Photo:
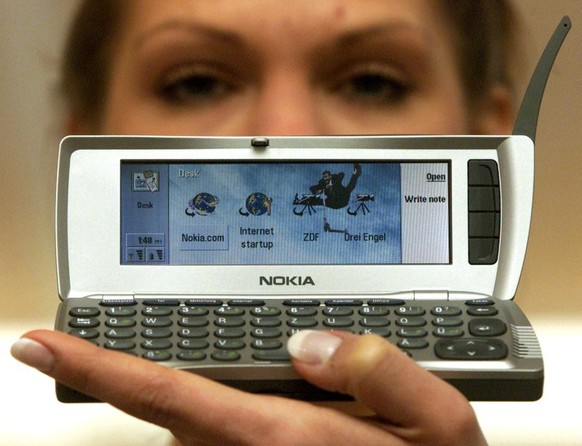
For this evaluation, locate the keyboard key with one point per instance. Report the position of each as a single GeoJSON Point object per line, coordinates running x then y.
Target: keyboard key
{"type": "Point", "coordinates": [120, 322]}
{"type": "Point", "coordinates": [230, 344]}
{"type": "Point", "coordinates": [266, 333]}
{"type": "Point", "coordinates": [161, 302]}
{"type": "Point", "coordinates": [225, 355]}
{"type": "Point", "coordinates": [338, 311]}
{"type": "Point", "coordinates": [121, 311]}
{"type": "Point", "coordinates": [447, 322]}
{"type": "Point", "coordinates": [156, 311]}
{"type": "Point", "coordinates": [482, 311]}
{"type": "Point", "coordinates": [119, 344]}
{"type": "Point", "coordinates": [374, 322]}
{"type": "Point", "coordinates": [265, 322]}
{"type": "Point", "coordinates": [446, 311]}
{"type": "Point", "coordinates": [385, 302]}
{"type": "Point", "coordinates": [192, 322]}
{"type": "Point", "coordinates": [272, 355]}
{"type": "Point", "coordinates": [157, 355]}
{"type": "Point", "coordinates": [191, 333]}
{"type": "Point", "coordinates": [120, 333]}
{"type": "Point", "coordinates": [384, 332]}
{"type": "Point", "coordinates": [84, 322]}
{"type": "Point", "coordinates": [156, 344]}
{"type": "Point", "coordinates": [84, 312]}
{"type": "Point", "coordinates": [487, 327]}
{"type": "Point", "coordinates": [229, 333]}
{"type": "Point", "coordinates": [265, 311]}
{"type": "Point", "coordinates": [114, 302]}
{"type": "Point", "coordinates": [193, 311]}
{"type": "Point", "coordinates": [266, 344]}
{"type": "Point", "coordinates": [412, 332]}
{"type": "Point", "coordinates": [191, 355]}
{"type": "Point", "coordinates": [448, 332]}
{"type": "Point", "coordinates": [157, 322]}
{"type": "Point", "coordinates": [229, 322]}
{"type": "Point", "coordinates": [246, 302]}
{"type": "Point", "coordinates": [344, 302]}
{"type": "Point", "coordinates": [301, 303]}
{"type": "Point", "coordinates": [302, 311]}
{"type": "Point", "coordinates": [193, 344]}
{"type": "Point", "coordinates": [204, 302]}
{"type": "Point", "coordinates": [85, 333]}
{"type": "Point", "coordinates": [410, 311]}
{"type": "Point", "coordinates": [479, 302]}
{"type": "Point", "coordinates": [302, 322]}
{"type": "Point", "coordinates": [229, 311]}
{"type": "Point", "coordinates": [157, 333]}
{"type": "Point", "coordinates": [335, 322]}
{"type": "Point", "coordinates": [410, 322]}
{"type": "Point", "coordinates": [374, 311]}
{"type": "Point", "coordinates": [415, 343]}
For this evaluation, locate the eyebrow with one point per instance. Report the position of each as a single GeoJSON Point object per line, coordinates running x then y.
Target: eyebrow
{"type": "Point", "coordinates": [342, 40]}
{"type": "Point", "coordinates": [367, 32]}
{"type": "Point", "coordinates": [190, 28]}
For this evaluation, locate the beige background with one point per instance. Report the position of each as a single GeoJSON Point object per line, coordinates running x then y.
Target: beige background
{"type": "Point", "coordinates": [550, 290]}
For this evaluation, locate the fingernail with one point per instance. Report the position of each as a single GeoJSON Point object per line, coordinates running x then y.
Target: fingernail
{"type": "Point", "coordinates": [33, 354]}
{"type": "Point", "coordinates": [313, 347]}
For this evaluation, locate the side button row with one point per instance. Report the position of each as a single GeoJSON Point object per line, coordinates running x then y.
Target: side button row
{"type": "Point", "coordinates": [484, 212]}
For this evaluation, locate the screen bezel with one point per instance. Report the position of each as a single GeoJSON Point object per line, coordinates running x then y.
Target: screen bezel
{"type": "Point", "coordinates": [88, 218]}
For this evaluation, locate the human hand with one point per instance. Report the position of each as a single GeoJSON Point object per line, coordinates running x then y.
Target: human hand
{"type": "Point", "coordinates": [411, 406]}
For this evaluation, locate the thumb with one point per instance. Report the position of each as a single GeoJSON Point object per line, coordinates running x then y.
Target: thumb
{"type": "Point", "coordinates": [379, 375]}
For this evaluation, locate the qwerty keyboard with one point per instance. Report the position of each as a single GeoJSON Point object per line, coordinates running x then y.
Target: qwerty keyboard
{"type": "Point", "coordinates": [256, 330]}
{"type": "Point", "coordinates": [242, 342]}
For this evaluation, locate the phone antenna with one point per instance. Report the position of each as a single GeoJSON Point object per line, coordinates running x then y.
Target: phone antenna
{"type": "Point", "coordinates": [526, 122]}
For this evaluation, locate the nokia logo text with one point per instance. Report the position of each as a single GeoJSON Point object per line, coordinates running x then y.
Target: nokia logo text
{"type": "Point", "coordinates": [285, 280]}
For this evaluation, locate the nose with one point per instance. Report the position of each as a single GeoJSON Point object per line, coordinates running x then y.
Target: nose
{"type": "Point", "coordinates": [286, 104]}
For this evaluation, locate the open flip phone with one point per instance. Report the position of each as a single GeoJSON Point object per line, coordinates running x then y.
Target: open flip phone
{"type": "Point", "coordinates": [206, 254]}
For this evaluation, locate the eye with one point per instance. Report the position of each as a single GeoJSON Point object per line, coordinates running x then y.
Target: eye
{"type": "Point", "coordinates": [193, 85]}
{"type": "Point", "coordinates": [372, 86]}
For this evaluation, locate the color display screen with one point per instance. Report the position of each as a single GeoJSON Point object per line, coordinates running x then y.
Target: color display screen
{"type": "Point", "coordinates": [285, 213]}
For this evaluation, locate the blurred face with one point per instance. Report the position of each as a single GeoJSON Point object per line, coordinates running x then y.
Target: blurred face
{"type": "Point", "coordinates": [293, 67]}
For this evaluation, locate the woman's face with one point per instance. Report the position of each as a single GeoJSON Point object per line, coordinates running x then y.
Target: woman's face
{"type": "Point", "coordinates": [293, 67]}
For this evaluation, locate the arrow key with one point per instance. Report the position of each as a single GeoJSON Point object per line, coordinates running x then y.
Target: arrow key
{"type": "Point", "coordinates": [85, 333]}
{"type": "Point", "coordinates": [471, 349]}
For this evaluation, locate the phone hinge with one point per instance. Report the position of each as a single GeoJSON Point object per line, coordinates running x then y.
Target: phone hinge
{"type": "Point", "coordinates": [431, 295]}
{"type": "Point", "coordinates": [118, 299]}
{"type": "Point", "coordinates": [448, 295]}
{"type": "Point", "coordinates": [459, 295]}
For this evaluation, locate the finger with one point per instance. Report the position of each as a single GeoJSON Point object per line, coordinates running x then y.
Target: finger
{"type": "Point", "coordinates": [179, 401]}
{"type": "Point", "coordinates": [379, 375]}
{"type": "Point", "coordinates": [196, 410]}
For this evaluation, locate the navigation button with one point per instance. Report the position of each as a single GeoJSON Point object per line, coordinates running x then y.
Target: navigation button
{"type": "Point", "coordinates": [471, 349]}
{"type": "Point", "coordinates": [483, 251]}
{"type": "Point", "coordinates": [483, 173]}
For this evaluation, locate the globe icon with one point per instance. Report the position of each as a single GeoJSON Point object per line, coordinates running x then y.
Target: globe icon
{"type": "Point", "coordinates": [258, 204]}
{"type": "Point", "coordinates": [202, 204]}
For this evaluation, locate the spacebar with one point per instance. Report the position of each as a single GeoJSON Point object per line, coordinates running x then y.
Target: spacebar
{"type": "Point", "coordinates": [272, 355]}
